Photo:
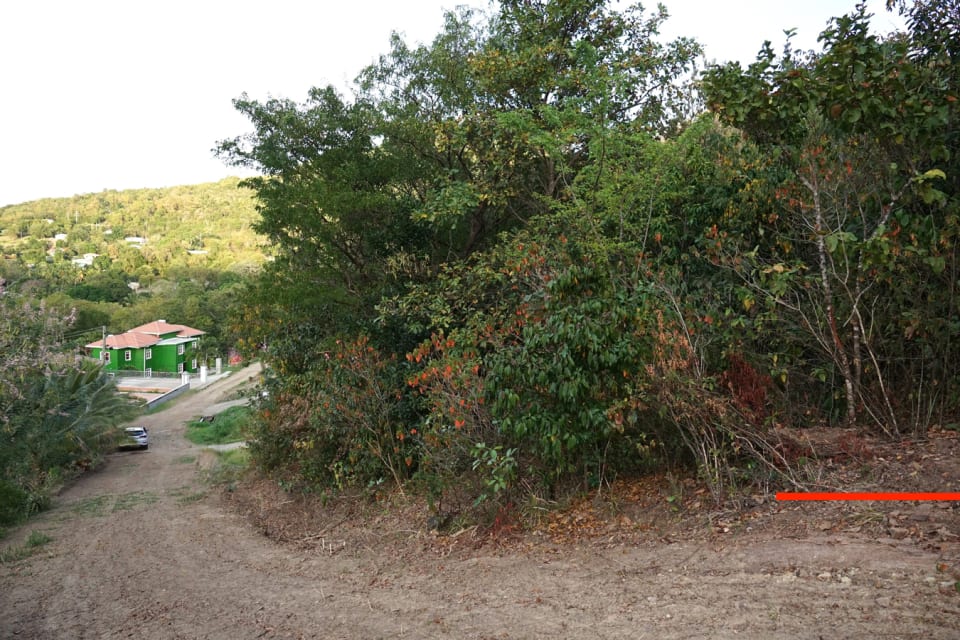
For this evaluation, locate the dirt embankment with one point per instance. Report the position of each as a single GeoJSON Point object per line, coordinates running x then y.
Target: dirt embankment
{"type": "Point", "coordinates": [144, 549]}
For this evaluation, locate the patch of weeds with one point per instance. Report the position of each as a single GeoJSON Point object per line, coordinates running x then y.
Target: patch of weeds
{"type": "Point", "coordinates": [130, 500]}
{"type": "Point", "coordinates": [868, 472]}
{"type": "Point", "coordinates": [868, 517]}
{"type": "Point", "coordinates": [230, 466]}
{"type": "Point", "coordinates": [185, 460]}
{"type": "Point", "coordinates": [186, 495]}
{"type": "Point", "coordinates": [190, 498]}
{"type": "Point", "coordinates": [36, 540]}
{"type": "Point", "coordinates": [228, 426]}
{"type": "Point", "coordinates": [95, 506]}
{"type": "Point", "coordinates": [13, 554]}
{"type": "Point", "coordinates": [674, 494]}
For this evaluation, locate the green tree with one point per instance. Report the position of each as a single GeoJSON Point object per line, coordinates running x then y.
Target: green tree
{"type": "Point", "coordinates": [862, 147]}
{"type": "Point", "coordinates": [105, 286]}
{"type": "Point", "coordinates": [398, 214]}
{"type": "Point", "coordinates": [447, 145]}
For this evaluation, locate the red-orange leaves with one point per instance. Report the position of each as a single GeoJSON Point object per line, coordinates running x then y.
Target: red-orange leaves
{"type": "Point", "coordinates": [450, 379]}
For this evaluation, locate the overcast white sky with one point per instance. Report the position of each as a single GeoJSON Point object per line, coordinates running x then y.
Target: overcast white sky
{"type": "Point", "coordinates": [125, 94]}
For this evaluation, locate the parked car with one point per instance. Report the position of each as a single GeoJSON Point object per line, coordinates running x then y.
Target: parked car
{"type": "Point", "coordinates": [135, 438]}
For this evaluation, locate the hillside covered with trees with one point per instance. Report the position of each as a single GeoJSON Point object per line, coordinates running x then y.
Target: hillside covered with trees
{"type": "Point", "coordinates": [123, 258]}
{"type": "Point", "coordinates": [524, 259]}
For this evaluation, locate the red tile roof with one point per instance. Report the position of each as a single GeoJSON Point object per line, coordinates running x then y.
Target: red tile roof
{"type": "Point", "coordinates": [127, 340]}
{"type": "Point", "coordinates": [162, 327]}
{"type": "Point", "coordinates": [146, 335]}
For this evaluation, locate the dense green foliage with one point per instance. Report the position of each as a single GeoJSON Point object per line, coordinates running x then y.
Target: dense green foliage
{"type": "Point", "coordinates": [517, 260]}
{"type": "Point", "coordinates": [211, 220]}
{"type": "Point", "coordinates": [853, 246]}
{"type": "Point", "coordinates": [58, 413]}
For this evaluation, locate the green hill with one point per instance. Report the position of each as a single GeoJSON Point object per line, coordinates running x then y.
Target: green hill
{"type": "Point", "coordinates": [204, 225]}
{"type": "Point", "coordinates": [118, 259]}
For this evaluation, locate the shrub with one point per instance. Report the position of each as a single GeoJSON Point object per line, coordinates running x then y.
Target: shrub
{"type": "Point", "coordinates": [336, 425]}
{"type": "Point", "coordinates": [14, 503]}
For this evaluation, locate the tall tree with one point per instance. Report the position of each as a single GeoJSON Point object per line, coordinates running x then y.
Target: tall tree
{"type": "Point", "coordinates": [863, 201]}
{"type": "Point", "coordinates": [407, 203]}
{"type": "Point", "coordinates": [448, 144]}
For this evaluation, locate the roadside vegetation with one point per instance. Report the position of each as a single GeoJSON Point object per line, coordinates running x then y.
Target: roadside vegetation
{"type": "Point", "coordinates": [182, 253]}
{"type": "Point", "coordinates": [229, 468]}
{"type": "Point", "coordinates": [58, 412]}
{"type": "Point", "coordinates": [544, 252]}
{"type": "Point", "coordinates": [33, 543]}
{"type": "Point", "coordinates": [232, 425]}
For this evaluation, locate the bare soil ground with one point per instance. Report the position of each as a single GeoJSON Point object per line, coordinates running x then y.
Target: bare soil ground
{"type": "Point", "coordinates": [144, 548]}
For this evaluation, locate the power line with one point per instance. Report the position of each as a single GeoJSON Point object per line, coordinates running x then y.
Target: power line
{"type": "Point", "coordinates": [79, 332]}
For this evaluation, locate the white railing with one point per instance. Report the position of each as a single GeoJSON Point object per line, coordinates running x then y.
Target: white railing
{"type": "Point", "coordinates": [137, 373]}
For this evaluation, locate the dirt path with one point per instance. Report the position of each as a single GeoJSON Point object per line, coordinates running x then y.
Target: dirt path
{"type": "Point", "coordinates": [140, 550]}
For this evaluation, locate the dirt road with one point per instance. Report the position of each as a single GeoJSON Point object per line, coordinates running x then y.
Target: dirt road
{"type": "Point", "coordinates": [143, 549]}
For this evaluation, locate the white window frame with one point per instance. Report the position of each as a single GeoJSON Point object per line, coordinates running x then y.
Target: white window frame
{"type": "Point", "coordinates": [180, 367]}
{"type": "Point", "coordinates": [193, 363]}
{"type": "Point", "coordinates": [180, 349]}
{"type": "Point", "coordinates": [148, 354]}
{"type": "Point", "coordinates": [106, 357]}
{"type": "Point", "coordinates": [127, 355]}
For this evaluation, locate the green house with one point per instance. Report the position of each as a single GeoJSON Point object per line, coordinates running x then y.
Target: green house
{"type": "Point", "coordinates": [156, 347]}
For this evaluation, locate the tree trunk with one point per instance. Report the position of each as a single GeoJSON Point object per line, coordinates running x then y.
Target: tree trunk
{"type": "Point", "coordinates": [839, 352]}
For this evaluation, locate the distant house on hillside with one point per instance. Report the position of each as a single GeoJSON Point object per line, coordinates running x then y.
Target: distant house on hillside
{"type": "Point", "coordinates": [86, 260]}
{"type": "Point", "coordinates": [154, 347]}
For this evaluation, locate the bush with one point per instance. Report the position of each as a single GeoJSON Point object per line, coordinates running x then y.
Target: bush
{"type": "Point", "coordinates": [14, 503]}
{"type": "Point", "coordinates": [338, 424]}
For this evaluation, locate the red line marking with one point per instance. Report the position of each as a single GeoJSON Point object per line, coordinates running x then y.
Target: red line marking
{"type": "Point", "coordinates": [853, 495]}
